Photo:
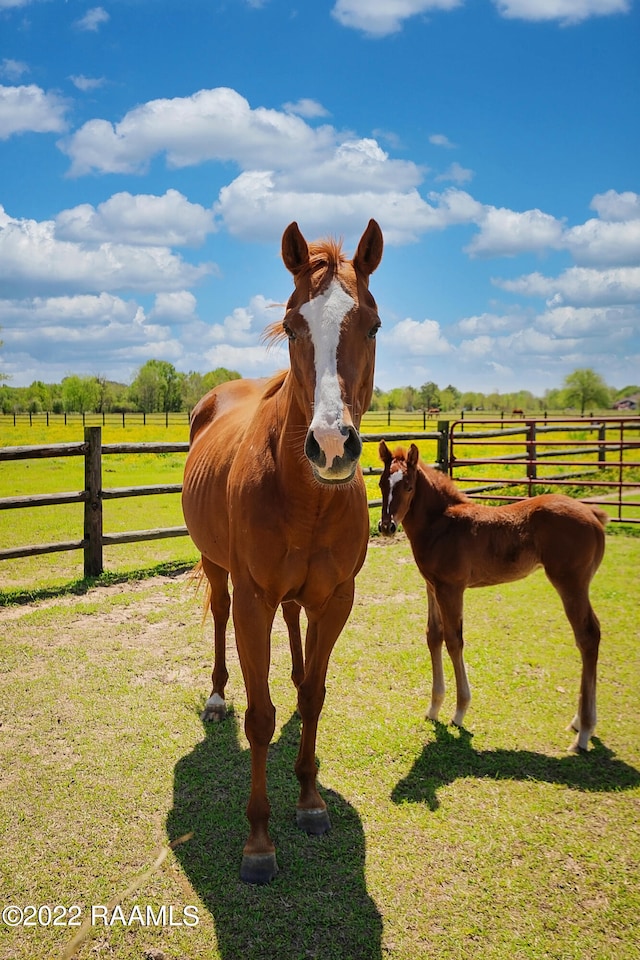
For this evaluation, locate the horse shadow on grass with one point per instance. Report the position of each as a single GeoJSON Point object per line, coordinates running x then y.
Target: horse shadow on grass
{"type": "Point", "coordinates": [318, 905]}
{"type": "Point", "coordinates": [451, 756]}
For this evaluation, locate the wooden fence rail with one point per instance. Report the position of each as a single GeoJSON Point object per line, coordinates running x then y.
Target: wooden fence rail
{"type": "Point", "coordinates": [449, 439]}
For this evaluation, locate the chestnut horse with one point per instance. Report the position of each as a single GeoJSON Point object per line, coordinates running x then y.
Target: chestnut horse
{"type": "Point", "coordinates": [273, 496]}
{"type": "Point", "coordinates": [458, 543]}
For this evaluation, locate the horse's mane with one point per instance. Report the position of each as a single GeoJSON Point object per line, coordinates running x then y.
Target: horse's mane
{"type": "Point", "coordinates": [325, 259]}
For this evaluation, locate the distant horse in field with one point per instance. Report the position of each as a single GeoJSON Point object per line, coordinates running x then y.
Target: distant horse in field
{"type": "Point", "coordinates": [458, 543]}
{"type": "Point", "coordinates": [273, 496]}
{"type": "Point", "coordinates": [517, 412]}
{"type": "Point", "coordinates": [433, 411]}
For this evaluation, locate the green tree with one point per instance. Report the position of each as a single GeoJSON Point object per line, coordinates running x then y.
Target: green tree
{"type": "Point", "coordinates": [429, 395]}
{"type": "Point", "coordinates": [79, 394]}
{"type": "Point", "coordinates": [157, 387]}
{"type": "Point", "coordinates": [586, 387]}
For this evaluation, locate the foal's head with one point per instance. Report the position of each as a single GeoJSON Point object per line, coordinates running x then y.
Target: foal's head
{"type": "Point", "coordinates": [331, 322]}
{"type": "Point", "coordinates": [397, 483]}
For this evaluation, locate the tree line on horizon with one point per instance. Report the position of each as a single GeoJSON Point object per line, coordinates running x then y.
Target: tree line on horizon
{"type": "Point", "coordinates": [159, 388]}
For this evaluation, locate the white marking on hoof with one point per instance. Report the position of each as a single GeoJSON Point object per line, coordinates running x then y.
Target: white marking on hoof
{"type": "Point", "coordinates": [581, 742]}
{"type": "Point", "coordinates": [458, 718]}
{"type": "Point", "coordinates": [433, 711]}
{"type": "Point", "coordinates": [575, 723]}
{"type": "Point", "coordinates": [215, 708]}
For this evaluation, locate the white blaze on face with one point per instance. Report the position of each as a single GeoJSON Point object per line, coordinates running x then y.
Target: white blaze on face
{"type": "Point", "coordinates": [324, 315]}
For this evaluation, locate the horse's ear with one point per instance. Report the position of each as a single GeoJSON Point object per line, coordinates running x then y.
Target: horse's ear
{"type": "Point", "coordinates": [413, 456]}
{"type": "Point", "coordinates": [385, 453]}
{"type": "Point", "coordinates": [369, 252]}
{"type": "Point", "coordinates": [295, 252]}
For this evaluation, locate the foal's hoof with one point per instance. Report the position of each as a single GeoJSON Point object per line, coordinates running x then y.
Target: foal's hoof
{"type": "Point", "coordinates": [258, 867]}
{"type": "Point", "coordinates": [313, 822]}
{"type": "Point", "coordinates": [215, 708]}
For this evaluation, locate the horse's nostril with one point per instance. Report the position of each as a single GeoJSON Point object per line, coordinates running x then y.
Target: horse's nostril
{"type": "Point", "coordinates": [313, 451]}
{"type": "Point", "coordinates": [353, 445]}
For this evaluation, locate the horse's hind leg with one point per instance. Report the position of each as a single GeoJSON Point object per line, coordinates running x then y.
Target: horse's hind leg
{"type": "Point", "coordinates": [291, 614]}
{"type": "Point", "coordinates": [435, 637]}
{"type": "Point", "coordinates": [216, 706]}
{"type": "Point", "coordinates": [586, 629]}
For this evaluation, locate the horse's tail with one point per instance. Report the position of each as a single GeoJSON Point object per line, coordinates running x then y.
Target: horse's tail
{"type": "Point", "coordinates": [198, 578]}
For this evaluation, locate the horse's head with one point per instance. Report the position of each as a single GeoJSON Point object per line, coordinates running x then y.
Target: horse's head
{"type": "Point", "coordinates": [397, 483]}
{"type": "Point", "coordinates": [331, 321]}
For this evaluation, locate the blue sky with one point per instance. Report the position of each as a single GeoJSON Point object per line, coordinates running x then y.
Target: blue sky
{"type": "Point", "coordinates": [153, 151]}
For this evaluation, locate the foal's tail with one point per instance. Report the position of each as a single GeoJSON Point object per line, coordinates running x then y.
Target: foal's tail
{"type": "Point", "coordinates": [198, 578]}
{"type": "Point", "coordinates": [601, 515]}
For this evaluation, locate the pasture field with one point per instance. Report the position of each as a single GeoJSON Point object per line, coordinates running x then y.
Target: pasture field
{"type": "Point", "coordinates": [486, 842]}
{"type": "Point", "coordinates": [65, 522]}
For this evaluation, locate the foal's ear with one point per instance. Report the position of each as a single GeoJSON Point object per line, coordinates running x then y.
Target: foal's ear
{"type": "Point", "coordinates": [369, 252]}
{"type": "Point", "coordinates": [413, 456]}
{"type": "Point", "coordinates": [295, 252]}
{"type": "Point", "coordinates": [385, 453]}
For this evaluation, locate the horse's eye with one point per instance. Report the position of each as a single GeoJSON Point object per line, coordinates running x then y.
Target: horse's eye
{"type": "Point", "coordinates": [289, 332]}
{"type": "Point", "coordinates": [372, 333]}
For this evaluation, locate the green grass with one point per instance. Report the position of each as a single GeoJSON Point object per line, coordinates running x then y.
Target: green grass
{"type": "Point", "coordinates": [486, 842]}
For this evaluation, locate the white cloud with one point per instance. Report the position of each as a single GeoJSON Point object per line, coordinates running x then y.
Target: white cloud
{"type": "Point", "coordinates": [168, 220]}
{"type": "Point", "coordinates": [382, 17]}
{"type": "Point", "coordinates": [617, 206]}
{"type": "Point", "coordinates": [13, 69]}
{"type": "Point", "coordinates": [86, 84]}
{"type": "Point", "coordinates": [416, 338]}
{"type": "Point", "coordinates": [580, 286]}
{"type": "Point", "coordinates": [175, 307]}
{"type": "Point", "coordinates": [305, 107]}
{"type": "Point", "coordinates": [379, 18]}
{"type": "Point", "coordinates": [566, 11]}
{"type": "Point", "coordinates": [505, 233]}
{"type": "Point", "coordinates": [602, 243]}
{"type": "Point", "coordinates": [456, 173]}
{"type": "Point", "coordinates": [29, 108]}
{"type": "Point", "coordinates": [440, 140]}
{"type": "Point", "coordinates": [214, 124]}
{"type": "Point", "coordinates": [34, 258]}
{"type": "Point", "coordinates": [609, 322]}
{"type": "Point", "coordinates": [93, 19]}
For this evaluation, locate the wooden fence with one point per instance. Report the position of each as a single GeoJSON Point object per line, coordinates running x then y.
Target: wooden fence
{"type": "Point", "coordinates": [615, 438]}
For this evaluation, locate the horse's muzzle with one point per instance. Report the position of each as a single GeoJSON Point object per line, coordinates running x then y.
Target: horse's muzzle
{"type": "Point", "coordinates": [387, 527]}
{"type": "Point", "coordinates": [342, 468]}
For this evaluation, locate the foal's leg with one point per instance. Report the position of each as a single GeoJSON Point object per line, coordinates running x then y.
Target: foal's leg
{"type": "Point", "coordinates": [322, 633]}
{"type": "Point", "coordinates": [435, 636]}
{"type": "Point", "coordinates": [586, 629]}
{"type": "Point", "coordinates": [216, 707]}
{"type": "Point", "coordinates": [449, 599]}
{"type": "Point", "coordinates": [291, 614]}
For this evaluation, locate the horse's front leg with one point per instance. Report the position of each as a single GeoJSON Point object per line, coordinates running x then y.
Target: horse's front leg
{"type": "Point", "coordinates": [435, 638]}
{"type": "Point", "coordinates": [216, 706]}
{"type": "Point", "coordinates": [291, 614]}
{"type": "Point", "coordinates": [322, 632]}
{"type": "Point", "coordinates": [449, 599]}
{"type": "Point", "coordinates": [253, 619]}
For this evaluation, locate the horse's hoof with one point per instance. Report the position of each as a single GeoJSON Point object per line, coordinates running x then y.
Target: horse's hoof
{"type": "Point", "coordinates": [314, 822]}
{"type": "Point", "coordinates": [215, 708]}
{"type": "Point", "coordinates": [258, 867]}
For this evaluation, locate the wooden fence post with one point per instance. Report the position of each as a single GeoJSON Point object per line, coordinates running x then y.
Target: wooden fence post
{"type": "Point", "coordinates": [602, 448]}
{"type": "Point", "coordinates": [443, 446]}
{"type": "Point", "coordinates": [531, 453]}
{"type": "Point", "coordinates": [93, 504]}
